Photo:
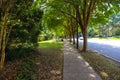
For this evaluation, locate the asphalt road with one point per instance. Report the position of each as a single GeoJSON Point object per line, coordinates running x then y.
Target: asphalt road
{"type": "Point", "coordinates": [109, 48]}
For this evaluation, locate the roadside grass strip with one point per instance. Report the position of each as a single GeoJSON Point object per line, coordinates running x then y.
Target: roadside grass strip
{"type": "Point", "coordinates": [104, 67]}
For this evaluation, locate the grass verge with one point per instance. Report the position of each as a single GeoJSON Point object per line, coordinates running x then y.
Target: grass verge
{"type": "Point", "coordinates": [107, 70]}
{"type": "Point", "coordinates": [109, 38]}
{"type": "Point", "coordinates": [116, 38]}
{"type": "Point", "coordinates": [51, 60]}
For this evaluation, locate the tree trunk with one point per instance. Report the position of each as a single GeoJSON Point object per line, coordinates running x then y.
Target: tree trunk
{"type": "Point", "coordinates": [73, 34]}
{"type": "Point", "coordinates": [3, 41]}
{"type": "Point", "coordinates": [77, 41]}
{"type": "Point", "coordinates": [84, 40]}
{"type": "Point", "coordinates": [70, 38]}
{"type": "Point", "coordinates": [6, 5]}
{"type": "Point", "coordinates": [73, 38]}
{"type": "Point", "coordinates": [2, 53]}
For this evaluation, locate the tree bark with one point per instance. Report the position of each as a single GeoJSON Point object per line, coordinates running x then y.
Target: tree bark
{"type": "Point", "coordinates": [73, 29]}
{"type": "Point", "coordinates": [77, 44]}
{"type": "Point", "coordinates": [84, 40]}
{"type": "Point", "coordinates": [70, 38]}
{"type": "Point", "coordinates": [73, 38]}
{"type": "Point", "coordinates": [3, 40]}
{"type": "Point", "coordinates": [5, 5]}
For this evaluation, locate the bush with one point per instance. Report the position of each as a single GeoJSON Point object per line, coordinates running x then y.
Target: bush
{"type": "Point", "coordinates": [116, 31]}
{"type": "Point", "coordinates": [17, 53]}
{"type": "Point", "coordinates": [41, 38]}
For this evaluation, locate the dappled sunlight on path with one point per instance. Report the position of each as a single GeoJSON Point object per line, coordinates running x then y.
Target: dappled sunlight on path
{"type": "Point", "coordinates": [75, 68]}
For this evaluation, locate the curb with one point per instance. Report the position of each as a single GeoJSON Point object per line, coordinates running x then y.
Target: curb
{"type": "Point", "coordinates": [107, 56]}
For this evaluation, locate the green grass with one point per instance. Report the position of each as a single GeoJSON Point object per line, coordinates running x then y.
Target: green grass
{"type": "Point", "coordinates": [107, 69]}
{"type": "Point", "coordinates": [51, 44]}
{"type": "Point", "coordinates": [116, 38]}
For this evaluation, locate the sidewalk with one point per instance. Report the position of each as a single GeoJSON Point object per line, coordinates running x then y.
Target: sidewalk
{"type": "Point", "coordinates": [75, 68]}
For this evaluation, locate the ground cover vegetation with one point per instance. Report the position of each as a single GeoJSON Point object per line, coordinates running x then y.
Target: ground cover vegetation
{"type": "Point", "coordinates": [44, 63]}
{"type": "Point", "coordinates": [107, 69]}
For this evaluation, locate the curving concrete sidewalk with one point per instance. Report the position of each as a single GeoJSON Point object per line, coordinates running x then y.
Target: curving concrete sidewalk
{"type": "Point", "coordinates": [75, 67]}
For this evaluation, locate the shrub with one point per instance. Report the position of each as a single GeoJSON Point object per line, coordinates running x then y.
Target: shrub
{"type": "Point", "coordinates": [17, 53]}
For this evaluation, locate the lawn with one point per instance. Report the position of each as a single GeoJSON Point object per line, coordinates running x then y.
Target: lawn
{"type": "Point", "coordinates": [104, 67]}
{"type": "Point", "coordinates": [116, 38]}
{"type": "Point", "coordinates": [43, 63]}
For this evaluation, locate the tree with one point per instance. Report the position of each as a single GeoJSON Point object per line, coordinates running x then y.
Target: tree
{"type": "Point", "coordinates": [114, 23]}
{"type": "Point", "coordinates": [53, 19]}
{"type": "Point", "coordinates": [27, 31]}
{"type": "Point", "coordinates": [18, 19]}
{"type": "Point", "coordinates": [5, 7]}
{"type": "Point", "coordinates": [105, 14]}
{"type": "Point", "coordinates": [56, 8]}
{"type": "Point", "coordinates": [85, 9]}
